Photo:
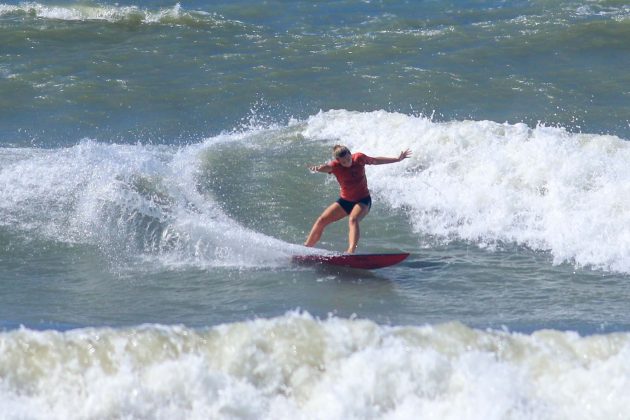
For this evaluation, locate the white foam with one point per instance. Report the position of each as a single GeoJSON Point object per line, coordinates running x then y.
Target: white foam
{"type": "Point", "coordinates": [85, 12]}
{"type": "Point", "coordinates": [298, 367]}
{"type": "Point", "coordinates": [488, 183]}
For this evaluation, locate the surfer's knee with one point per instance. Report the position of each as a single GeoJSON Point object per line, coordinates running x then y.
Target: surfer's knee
{"type": "Point", "coordinates": [323, 221]}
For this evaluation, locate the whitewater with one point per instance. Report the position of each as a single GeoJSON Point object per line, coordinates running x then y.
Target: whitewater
{"type": "Point", "coordinates": [296, 366]}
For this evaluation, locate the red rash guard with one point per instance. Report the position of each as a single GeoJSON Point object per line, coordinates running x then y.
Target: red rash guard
{"type": "Point", "coordinates": [352, 180]}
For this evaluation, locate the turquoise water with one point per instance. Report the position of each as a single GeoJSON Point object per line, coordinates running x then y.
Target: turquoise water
{"type": "Point", "coordinates": [153, 189]}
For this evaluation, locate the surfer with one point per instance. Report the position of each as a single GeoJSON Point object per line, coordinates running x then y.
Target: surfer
{"type": "Point", "coordinates": [354, 198]}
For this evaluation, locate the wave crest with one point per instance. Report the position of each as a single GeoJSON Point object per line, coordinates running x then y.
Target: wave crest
{"type": "Point", "coordinates": [544, 188]}
{"type": "Point", "coordinates": [175, 15]}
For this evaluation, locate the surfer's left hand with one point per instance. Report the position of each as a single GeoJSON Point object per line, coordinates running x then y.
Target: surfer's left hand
{"type": "Point", "coordinates": [404, 155]}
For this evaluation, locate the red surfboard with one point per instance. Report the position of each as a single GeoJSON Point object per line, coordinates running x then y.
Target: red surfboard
{"type": "Point", "coordinates": [365, 261]}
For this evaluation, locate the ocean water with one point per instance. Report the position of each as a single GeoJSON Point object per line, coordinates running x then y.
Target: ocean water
{"type": "Point", "coordinates": [154, 187]}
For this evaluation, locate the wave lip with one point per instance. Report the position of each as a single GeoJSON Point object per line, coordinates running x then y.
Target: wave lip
{"type": "Point", "coordinates": [296, 366]}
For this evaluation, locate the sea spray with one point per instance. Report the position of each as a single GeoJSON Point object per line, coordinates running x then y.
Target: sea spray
{"type": "Point", "coordinates": [130, 201]}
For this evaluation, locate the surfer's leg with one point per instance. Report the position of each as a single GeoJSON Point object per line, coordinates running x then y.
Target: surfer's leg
{"type": "Point", "coordinates": [333, 213]}
{"type": "Point", "coordinates": [359, 211]}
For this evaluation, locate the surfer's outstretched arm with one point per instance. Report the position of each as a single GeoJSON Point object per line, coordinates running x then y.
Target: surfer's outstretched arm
{"type": "Point", "coordinates": [326, 168]}
{"type": "Point", "coordinates": [383, 160]}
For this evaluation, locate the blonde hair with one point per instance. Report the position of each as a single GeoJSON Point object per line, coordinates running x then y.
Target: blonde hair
{"type": "Point", "coordinates": [340, 150]}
